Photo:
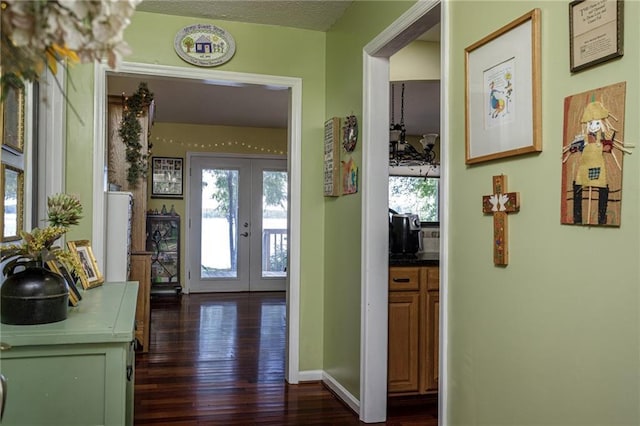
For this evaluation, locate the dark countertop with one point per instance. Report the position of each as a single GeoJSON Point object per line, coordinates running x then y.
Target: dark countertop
{"type": "Point", "coordinates": [421, 259]}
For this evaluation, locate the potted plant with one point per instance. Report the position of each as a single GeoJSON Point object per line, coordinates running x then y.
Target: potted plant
{"type": "Point", "coordinates": [30, 293]}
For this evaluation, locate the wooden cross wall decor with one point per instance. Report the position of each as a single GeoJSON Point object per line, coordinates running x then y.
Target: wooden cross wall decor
{"type": "Point", "coordinates": [500, 203]}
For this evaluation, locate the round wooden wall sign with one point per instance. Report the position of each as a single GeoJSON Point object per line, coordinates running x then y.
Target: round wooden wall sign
{"type": "Point", "coordinates": [204, 45]}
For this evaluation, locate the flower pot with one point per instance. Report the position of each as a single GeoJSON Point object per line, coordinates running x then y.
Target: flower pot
{"type": "Point", "coordinates": [33, 295]}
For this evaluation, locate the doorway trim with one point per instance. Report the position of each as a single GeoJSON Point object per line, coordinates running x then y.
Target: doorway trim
{"type": "Point", "coordinates": [375, 239]}
{"type": "Point", "coordinates": [101, 70]}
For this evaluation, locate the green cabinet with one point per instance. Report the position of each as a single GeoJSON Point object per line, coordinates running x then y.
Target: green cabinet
{"type": "Point", "coordinates": [79, 371]}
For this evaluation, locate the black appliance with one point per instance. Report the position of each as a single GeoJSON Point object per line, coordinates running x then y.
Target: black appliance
{"type": "Point", "coordinates": [405, 235]}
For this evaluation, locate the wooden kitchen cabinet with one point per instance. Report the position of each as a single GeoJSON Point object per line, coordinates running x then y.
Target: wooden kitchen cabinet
{"type": "Point", "coordinates": [432, 320]}
{"type": "Point", "coordinates": [404, 336]}
{"type": "Point", "coordinates": [413, 330]}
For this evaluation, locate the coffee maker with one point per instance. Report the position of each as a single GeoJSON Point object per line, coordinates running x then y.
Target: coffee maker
{"type": "Point", "coordinates": [405, 235]}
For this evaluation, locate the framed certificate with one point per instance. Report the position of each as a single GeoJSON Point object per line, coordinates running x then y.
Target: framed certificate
{"type": "Point", "coordinates": [595, 31]}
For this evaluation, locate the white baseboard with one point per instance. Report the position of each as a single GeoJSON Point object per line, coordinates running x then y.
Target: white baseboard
{"type": "Point", "coordinates": [310, 376]}
{"type": "Point", "coordinates": [341, 392]}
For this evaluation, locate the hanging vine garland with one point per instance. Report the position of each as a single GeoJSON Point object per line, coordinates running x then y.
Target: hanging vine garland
{"type": "Point", "coordinates": [130, 131]}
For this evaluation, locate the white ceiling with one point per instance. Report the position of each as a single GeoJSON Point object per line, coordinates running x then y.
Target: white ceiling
{"type": "Point", "coordinates": [198, 102]}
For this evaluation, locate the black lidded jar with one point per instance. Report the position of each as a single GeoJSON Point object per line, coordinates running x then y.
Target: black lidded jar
{"type": "Point", "coordinates": [34, 295]}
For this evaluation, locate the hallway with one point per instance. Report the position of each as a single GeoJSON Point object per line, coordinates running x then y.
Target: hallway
{"type": "Point", "coordinates": [218, 359]}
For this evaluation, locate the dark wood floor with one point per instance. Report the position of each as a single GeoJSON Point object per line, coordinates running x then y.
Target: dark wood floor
{"type": "Point", "coordinates": [218, 359]}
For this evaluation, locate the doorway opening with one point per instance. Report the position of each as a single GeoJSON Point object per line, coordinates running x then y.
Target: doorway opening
{"type": "Point", "coordinates": [374, 321]}
{"type": "Point", "coordinates": [237, 224]}
{"type": "Point", "coordinates": [294, 87]}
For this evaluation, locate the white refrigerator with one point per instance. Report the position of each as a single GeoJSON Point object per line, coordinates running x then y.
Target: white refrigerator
{"type": "Point", "coordinates": [118, 251]}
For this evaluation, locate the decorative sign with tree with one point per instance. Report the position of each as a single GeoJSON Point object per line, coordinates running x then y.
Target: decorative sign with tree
{"type": "Point", "coordinates": [204, 45]}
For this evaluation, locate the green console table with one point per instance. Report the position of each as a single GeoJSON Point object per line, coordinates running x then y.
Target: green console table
{"type": "Point", "coordinates": [79, 371]}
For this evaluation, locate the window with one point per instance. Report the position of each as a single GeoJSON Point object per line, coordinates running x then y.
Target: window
{"type": "Point", "coordinates": [37, 165]}
{"type": "Point", "coordinates": [12, 116]}
{"type": "Point", "coordinates": [416, 195]}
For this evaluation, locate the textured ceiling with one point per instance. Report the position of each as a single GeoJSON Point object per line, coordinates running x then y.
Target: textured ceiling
{"type": "Point", "coordinates": [197, 102]}
{"type": "Point", "coordinates": [308, 14]}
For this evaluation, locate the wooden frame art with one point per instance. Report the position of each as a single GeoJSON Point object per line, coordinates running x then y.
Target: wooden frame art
{"type": "Point", "coordinates": [11, 203]}
{"type": "Point", "coordinates": [167, 177]}
{"type": "Point", "coordinates": [503, 93]}
{"type": "Point", "coordinates": [90, 275]}
{"type": "Point", "coordinates": [596, 32]}
{"type": "Point", "coordinates": [12, 111]}
{"type": "Point", "coordinates": [592, 157]}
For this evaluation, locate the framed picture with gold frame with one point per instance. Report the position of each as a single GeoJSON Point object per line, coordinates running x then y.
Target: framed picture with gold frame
{"type": "Point", "coordinates": [90, 275]}
{"type": "Point", "coordinates": [503, 110]}
{"type": "Point", "coordinates": [12, 123]}
{"type": "Point", "coordinates": [11, 202]}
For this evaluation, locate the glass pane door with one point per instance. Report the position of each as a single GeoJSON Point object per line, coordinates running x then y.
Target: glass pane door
{"type": "Point", "coordinates": [219, 219]}
{"type": "Point", "coordinates": [269, 250]}
{"type": "Point", "coordinates": [237, 228]}
{"type": "Point", "coordinates": [274, 224]}
{"type": "Point", "coordinates": [218, 229]}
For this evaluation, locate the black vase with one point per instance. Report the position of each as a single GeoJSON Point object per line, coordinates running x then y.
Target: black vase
{"type": "Point", "coordinates": [34, 295]}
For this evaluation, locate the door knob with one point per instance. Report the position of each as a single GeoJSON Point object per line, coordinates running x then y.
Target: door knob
{"type": "Point", "coordinates": [245, 234]}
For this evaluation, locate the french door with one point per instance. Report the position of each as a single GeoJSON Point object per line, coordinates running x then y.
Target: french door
{"type": "Point", "coordinates": [237, 229]}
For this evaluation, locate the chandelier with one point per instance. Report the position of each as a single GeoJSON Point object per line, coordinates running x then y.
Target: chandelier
{"type": "Point", "coordinates": [397, 131]}
{"type": "Point", "coordinates": [401, 152]}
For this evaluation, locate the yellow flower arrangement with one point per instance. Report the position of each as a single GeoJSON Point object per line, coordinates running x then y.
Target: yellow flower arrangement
{"type": "Point", "coordinates": [63, 211]}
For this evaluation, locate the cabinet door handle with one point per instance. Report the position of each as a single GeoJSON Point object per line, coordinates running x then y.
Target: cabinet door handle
{"type": "Point", "coordinates": [401, 280]}
{"type": "Point", "coordinates": [3, 395]}
{"type": "Point", "coordinates": [131, 359]}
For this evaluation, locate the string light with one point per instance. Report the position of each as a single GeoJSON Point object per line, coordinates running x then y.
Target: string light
{"type": "Point", "coordinates": [248, 146]}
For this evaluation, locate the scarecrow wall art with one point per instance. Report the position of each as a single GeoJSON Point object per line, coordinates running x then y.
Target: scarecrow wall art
{"type": "Point", "coordinates": [592, 153]}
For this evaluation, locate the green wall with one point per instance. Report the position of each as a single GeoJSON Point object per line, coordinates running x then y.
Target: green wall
{"type": "Point", "coordinates": [260, 49]}
{"type": "Point", "coordinates": [361, 23]}
{"type": "Point", "coordinates": [553, 338]}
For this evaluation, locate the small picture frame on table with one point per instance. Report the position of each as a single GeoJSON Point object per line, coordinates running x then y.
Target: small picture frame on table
{"type": "Point", "coordinates": [167, 175]}
{"type": "Point", "coordinates": [64, 271]}
{"type": "Point", "coordinates": [596, 32]}
{"type": "Point", "coordinates": [503, 112]}
{"type": "Point", "coordinates": [90, 275]}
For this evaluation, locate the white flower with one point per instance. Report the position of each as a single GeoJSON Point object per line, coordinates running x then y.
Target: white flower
{"type": "Point", "coordinates": [34, 30]}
